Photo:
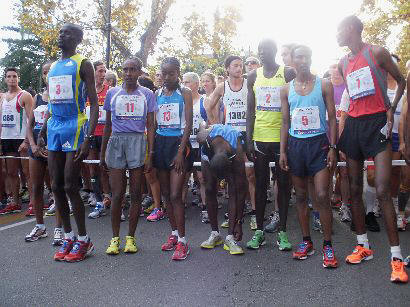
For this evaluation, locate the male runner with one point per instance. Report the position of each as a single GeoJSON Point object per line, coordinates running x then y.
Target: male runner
{"type": "Point", "coordinates": [263, 123]}
{"type": "Point", "coordinates": [111, 78]}
{"type": "Point", "coordinates": [251, 63]}
{"type": "Point", "coordinates": [13, 135]}
{"type": "Point", "coordinates": [305, 102]}
{"type": "Point", "coordinates": [367, 132]}
{"type": "Point", "coordinates": [222, 156]}
{"type": "Point", "coordinates": [69, 79]}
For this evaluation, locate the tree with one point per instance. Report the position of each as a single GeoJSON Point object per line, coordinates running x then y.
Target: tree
{"type": "Point", "coordinates": [385, 18]}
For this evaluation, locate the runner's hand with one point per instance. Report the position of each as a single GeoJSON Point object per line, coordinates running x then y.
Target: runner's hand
{"type": "Point", "coordinates": [23, 147]}
{"type": "Point", "coordinates": [82, 152]}
{"type": "Point", "coordinates": [402, 149]}
{"type": "Point", "coordinates": [103, 164]}
{"type": "Point", "coordinates": [178, 162]}
{"type": "Point", "coordinates": [237, 232]}
{"type": "Point", "coordinates": [38, 152]}
{"type": "Point", "coordinates": [331, 159]}
{"type": "Point", "coordinates": [390, 122]}
{"type": "Point", "coordinates": [250, 153]}
{"type": "Point", "coordinates": [283, 162]}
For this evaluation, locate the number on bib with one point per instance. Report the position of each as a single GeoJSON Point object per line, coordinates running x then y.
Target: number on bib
{"type": "Point", "coordinates": [102, 114]}
{"type": "Point", "coordinates": [40, 115]}
{"type": "Point", "coordinates": [61, 89]}
{"type": "Point", "coordinates": [9, 119]}
{"type": "Point", "coordinates": [268, 99]}
{"type": "Point", "coordinates": [130, 107]}
{"type": "Point", "coordinates": [360, 83]}
{"type": "Point", "coordinates": [168, 115]}
{"type": "Point", "coordinates": [306, 120]}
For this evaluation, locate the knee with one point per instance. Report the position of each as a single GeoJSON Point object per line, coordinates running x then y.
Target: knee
{"type": "Point", "coordinates": [300, 197]}
{"type": "Point", "coordinates": [383, 192]}
{"type": "Point", "coordinates": [57, 188]}
{"type": "Point", "coordinates": [70, 188]}
{"type": "Point", "coordinates": [250, 175]}
{"type": "Point", "coordinates": [175, 197]}
{"type": "Point", "coordinates": [322, 198]}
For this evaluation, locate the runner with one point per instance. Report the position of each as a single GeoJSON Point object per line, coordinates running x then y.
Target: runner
{"type": "Point", "coordinates": [68, 79]}
{"type": "Point", "coordinates": [38, 165]}
{"type": "Point", "coordinates": [251, 64]}
{"type": "Point", "coordinates": [129, 110]}
{"type": "Point", "coordinates": [172, 151]}
{"type": "Point", "coordinates": [367, 132]}
{"type": "Point", "coordinates": [208, 83]}
{"type": "Point", "coordinates": [99, 177]}
{"type": "Point", "coordinates": [111, 78]}
{"type": "Point", "coordinates": [158, 81]}
{"type": "Point", "coordinates": [304, 104]}
{"type": "Point", "coordinates": [222, 157]}
{"type": "Point", "coordinates": [14, 105]}
{"type": "Point", "coordinates": [263, 123]}
{"type": "Point", "coordinates": [286, 57]}
{"type": "Point", "coordinates": [233, 94]}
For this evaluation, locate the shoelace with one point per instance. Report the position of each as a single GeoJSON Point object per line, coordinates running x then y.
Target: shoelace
{"type": "Point", "coordinates": [33, 232]}
{"type": "Point", "coordinates": [328, 252]}
{"type": "Point", "coordinates": [397, 265]}
{"type": "Point", "coordinates": [302, 247]}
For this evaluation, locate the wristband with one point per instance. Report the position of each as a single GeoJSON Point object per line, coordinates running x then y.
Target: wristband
{"type": "Point", "coordinates": [334, 146]}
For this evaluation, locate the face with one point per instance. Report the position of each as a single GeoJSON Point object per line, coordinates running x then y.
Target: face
{"type": "Point", "coordinates": [335, 76]}
{"type": "Point", "coordinates": [12, 79]}
{"type": "Point", "coordinates": [44, 72]}
{"type": "Point", "coordinates": [100, 72]}
{"type": "Point", "coordinates": [267, 53]}
{"type": "Point", "coordinates": [207, 84]}
{"type": "Point", "coordinates": [251, 65]}
{"type": "Point", "coordinates": [131, 71]}
{"type": "Point", "coordinates": [170, 75]}
{"type": "Point", "coordinates": [235, 69]}
{"type": "Point", "coordinates": [343, 34]}
{"type": "Point", "coordinates": [192, 85]}
{"type": "Point", "coordinates": [67, 37]}
{"type": "Point", "coordinates": [286, 57]}
{"type": "Point", "coordinates": [302, 60]}
{"type": "Point", "coordinates": [158, 81]}
{"type": "Point", "coordinates": [109, 82]}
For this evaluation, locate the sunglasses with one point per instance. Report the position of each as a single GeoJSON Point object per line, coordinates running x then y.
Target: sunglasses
{"type": "Point", "coordinates": [251, 63]}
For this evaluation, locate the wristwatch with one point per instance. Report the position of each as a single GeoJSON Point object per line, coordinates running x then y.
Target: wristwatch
{"type": "Point", "coordinates": [334, 146]}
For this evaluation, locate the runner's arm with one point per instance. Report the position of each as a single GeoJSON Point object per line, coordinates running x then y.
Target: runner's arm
{"type": "Point", "coordinates": [284, 129]}
{"type": "Point", "coordinates": [402, 122]}
{"type": "Point", "coordinates": [87, 75]}
{"type": "Point", "coordinates": [213, 100]}
{"type": "Point", "coordinates": [331, 111]}
{"type": "Point", "coordinates": [188, 119]}
{"type": "Point", "coordinates": [250, 112]}
{"type": "Point", "coordinates": [27, 103]}
{"type": "Point", "coordinates": [106, 136]}
{"type": "Point", "coordinates": [30, 125]}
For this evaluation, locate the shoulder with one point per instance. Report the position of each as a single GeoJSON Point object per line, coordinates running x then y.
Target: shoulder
{"type": "Point", "coordinates": [251, 77]}
{"type": "Point", "coordinates": [113, 90]}
{"type": "Point", "coordinates": [289, 73]}
{"type": "Point", "coordinates": [186, 91]}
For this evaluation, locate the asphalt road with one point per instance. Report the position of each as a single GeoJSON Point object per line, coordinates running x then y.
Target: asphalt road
{"type": "Point", "coordinates": [30, 277]}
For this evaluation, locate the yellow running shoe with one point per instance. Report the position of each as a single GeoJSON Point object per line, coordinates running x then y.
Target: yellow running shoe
{"type": "Point", "coordinates": [149, 209]}
{"type": "Point", "coordinates": [225, 224]}
{"type": "Point", "coordinates": [114, 248]}
{"type": "Point", "coordinates": [233, 247]}
{"type": "Point", "coordinates": [130, 246]}
{"type": "Point", "coordinates": [212, 242]}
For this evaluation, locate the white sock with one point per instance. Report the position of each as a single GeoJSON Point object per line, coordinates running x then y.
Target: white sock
{"type": "Point", "coordinates": [182, 239]}
{"type": "Point", "coordinates": [229, 237]}
{"type": "Point", "coordinates": [41, 226]}
{"type": "Point", "coordinates": [396, 252]}
{"type": "Point", "coordinates": [83, 238]}
{"type": "Point", "coordinates": [69, 235]}
{"type": "Point", "coordinates": [175, 233]}
{"type": "Point", "coordinates": [370, 198]}
{"type": "Point", "coordinates": [214, 233]}
{"type": "Point", "coordinates": [362, 240]}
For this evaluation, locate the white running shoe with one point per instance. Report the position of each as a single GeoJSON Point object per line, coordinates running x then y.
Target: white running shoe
{"type": "Point", "coordinates": [376, 209]}
{"type": "Point", "coordinates": [98, 211]}
{"type": "Point", "coordinates": [58, 237]}
{"type": "Point", "coordinates": [345, 214]}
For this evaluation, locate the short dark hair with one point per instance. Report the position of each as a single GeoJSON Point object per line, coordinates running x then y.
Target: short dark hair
{"type": "Point", "coordinates": [172, 60]}
{"type": "Point", "coordinates": [11, 69]}
{"type": "Point", "coordinates": [292, 52]}
{"type": "Point", "coordinates": [270, 42]}
{"type": "Point", "coordinates": [147, 82]}
{"type": "Point", "coordinates": [97, 63]}
{"type": "Point", "coordinates": [219, 164]}
{"type": "Point", "coordinates": [78, 30]}
{"type": "Point", "coordinates": [135, 59]}
{"type": "Point", "coordinates": [230, 59]}
{"type": "Point", "coordinates": [354, 21]}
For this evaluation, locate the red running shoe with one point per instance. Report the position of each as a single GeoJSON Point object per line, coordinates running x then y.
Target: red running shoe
{"type": "Point", "coordinates": [170, 244]}
{"type": "Point", "coordinates": [329, 259]}
{"type": "Point", "coordinates": [64, 250]}
{"type": "Point", "coordinates": [304, 250]}
{"type": "Point", "coordinates": [11, 208]}
{"type": "Point", "coordinates": [79, 251]}
{"type": "Point", "coordinates": [30, 210]}
{"type": "Point", "coordinates": [181, 251]}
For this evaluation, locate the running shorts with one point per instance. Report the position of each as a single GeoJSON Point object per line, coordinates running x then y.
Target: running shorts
{"type": "Point", "coordinates": [395, 142]}
{"type": "Point", "coordinates": [11, 145]}
{"type": "Point", "coordinates": [64, 135]}
{"type": "Point", "coordinates": [126, 150]}
{"type": "Point", "coordinates": [165, 151]}
{"type": "Point", "coordinates": [96, 142]}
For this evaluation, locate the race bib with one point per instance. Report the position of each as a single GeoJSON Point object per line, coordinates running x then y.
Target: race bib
{"type": "Point", "coordinates": [102, 114]}
{"type": "Point", "coordinates": [61, 89]}
{"type": "Point", "coordinates": [268, 99]}
{"type": "Point", "coordinates": [360, 83]}
{"type": "Point", "coordinates": [306, 120]}
{"type": "Point", "coordinates": [9, 119]}
{"type": "Point", "coordinates": [40, 114]}
{"type": "Point", "coordinates": [168, 115]}
{"type": "Point", "coordinates": [196, 120]}
{"type": "Point", "coordinates": [236, 114]}
{"type": "Point", "coordinates": [130, 107]}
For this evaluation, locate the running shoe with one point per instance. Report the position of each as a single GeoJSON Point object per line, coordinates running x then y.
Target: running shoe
{"type": "Point", "coordinates": [329, 259]}
{"type": "Point", "coordinates": [273, 225]}
{"type": "Point", "coordinates": [407, 261]}
{"type": "Point", "coordinates": [371, 222]}
{"type": "Point", "coordinates": [252, 223]}
{"type": "Point", "coordinates": [58, 237]}
{"type": "Point", "coordinates": [359, 254]}
{"type": "Point", "coordinates": [345, 214]}
{"type": "Point", "coordinates": [398, 273]}
{"type": "Point", "coordinates": [401, 222]}
{"type": "Point", "coordinates": [92, 201]}
{"type": "Point", "coordinates": [376, 209]}
{"type": "Point", "coordinates": [248, 208]}
{"type": "Point", "coordinates": [51, 210]}
{"type": "Point", "coordinates": [130, 245]}
{"type": "Point", "coordinates": [257, 240]}
{"type": "Point", "coordinates": [114, 247]}
{"type": "Point", "coordinates": [107, 202]}
{"type": "Point", "coordinates": [233, 247]}
{"type": "Point", "coordinates": [11, 208]}
{"type": "Point", "coordinates": [98, 211]}
{"type": "Point", "coordinates": [156, 215]}
{"type": "Point", "coordinates": [316, 224]}
{"type": "Point", "coordinates": [170, 244]}
{"type": "Point", "coordinates": [304, 250]}
{"type": "Point", "coordinates": [36, 233]}
{"type": "Point", "coordinates": [283, 241]}
{"type": "Point", "coordinates": [85, 195]}
{"type": "Point", "coordinates": [225, 224]}
{"type": "Point", "coordinates": [30, 210]}
{"type": "Point", "coordinates": [25, 195]}
{"type": "Point", "coordinates": [149, 209]}
{"type": "Point", "coordinates": [204, 217]}
{"type": "Point", "coordinates": [147, 201]}
{"type": "Point", "coordinates": [212, 242]}
{"type": "Point", "coordinates": [181, 251]}
{"type": "Point", "coordinates": [64, 250]}
{"type": "Point", "coordinates": [79, 251]}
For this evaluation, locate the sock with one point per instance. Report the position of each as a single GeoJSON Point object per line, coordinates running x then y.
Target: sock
{"type": "Point", "coordinates": [363, 241]}
{"type": "Point", "coordinates": [327, 243]}
{"type": "Point", "coordinates": [69, 235]}
{"type": "Point", "coordinates": [229, 237]}
{"type": "Point", "coordinates": [175, 233]}
{"type": "Point", "coordinates": [370, 198]}
{"type": "Point", "coordinates": [182, 239]}
{"type": "Point", "coordinates": [308, 238]}
{"type": "Point", "coordinates": [403, 198]}
{"type": "Point", "coordinates": [215, 233]}
{"type": "Point", "coordinates": [41, 226]}
{"type": "Point", "coordinates": [396, 252]}
{"type": "Point", "coordinates": [83, 238]}
{"type": "Point", "coordinates": [95, 183]}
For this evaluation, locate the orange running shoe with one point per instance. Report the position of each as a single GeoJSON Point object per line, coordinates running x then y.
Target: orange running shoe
{"type": "Point", "coordinates": [359, 254]}
{"type": "Point", "coordinates": [398, 273]}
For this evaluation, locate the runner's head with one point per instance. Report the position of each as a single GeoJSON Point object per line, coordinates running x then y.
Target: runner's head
{"type": "Point", "coordinates": [191, 80]}
{"type": "Point", "coordinates": [100, 72]}
{"type": "Point", "coordinates": [234, 66]}
{"type": "Point", "coordinates": [170, 71]}
{"type": "Point", "coordinates": [44, 71]}
{"type": "Point", "coordinates": [301, 58]}
{"type": "Point", "coordinates": [335, 77]}
{"type": "Point", "coordinates": [70, 36]}
{"type": "Point", "coordinates": [220, 164]}
{"type": "Point", "coordinates": [11, 77]}
{"type": "Point", "coordinates": [286, 57]}
{"type": "Point", "coordinates": [251, 63]}
{"type": "Point", "coordinates": [131, 70]}
{"type": "Point", "coordinates": [111, 78]}
{"type": "Point", "coordinates": [267, 50]}
{"type": "Point", "coordinates": [208, 82]}
{"type": "Point", "coordinates": [158, 79]}
{"type": "Point", "coordinates": [349, 29]}
{"type": "Point", "coordinates": [147, 82]}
